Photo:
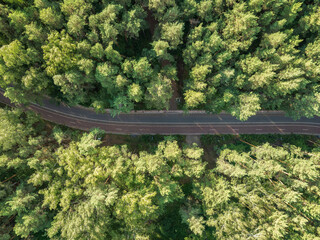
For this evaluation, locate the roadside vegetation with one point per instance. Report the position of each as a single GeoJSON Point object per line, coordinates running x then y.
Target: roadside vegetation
{"type": "Point", "coordinates": [238, 56]}
{"type": "Point", "coordinates": [215, 55]}
{"type": "Point", "coordinates": [58, 183]}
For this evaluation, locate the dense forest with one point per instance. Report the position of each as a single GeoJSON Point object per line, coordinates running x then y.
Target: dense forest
{"type": "Point", "coordinates": [233, 55]}
{"type": "Point", "coordinates": [57, 183]}
{"type": "Point", "coordinates": [238, 56]}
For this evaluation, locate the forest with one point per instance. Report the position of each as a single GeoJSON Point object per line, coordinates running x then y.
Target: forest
{"type": "Point", "coordinates": [59, 183]}
{"type": "Point", "coordinates": [238, 56]}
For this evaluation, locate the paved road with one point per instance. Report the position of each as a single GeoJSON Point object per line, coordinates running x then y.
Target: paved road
{"type": "Point", "coordinates": [169, 122]}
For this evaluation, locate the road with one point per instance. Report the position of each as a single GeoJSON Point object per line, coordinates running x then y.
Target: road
{"type": "Point", "coordinates": [171, 122]}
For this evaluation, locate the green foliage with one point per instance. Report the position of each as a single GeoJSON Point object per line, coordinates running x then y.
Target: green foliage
{"type": "Point", "coordinates": [193, 99]}
{"type": "Point", "coordinates": [265, 190]}
{"type": "Point", "coordinates": [172, 33]}
{"type": "Point", "coordinates": [108, 192]}
{"type": "Point", "coordinates": [75, 7]}
{"type": "Point", "coordinates": [106, 75]}
{"type": "Point", "coordinates": [248, 105]}
{"type": "Point", "coordinates": [21, 213]}
{"type": "Point", "coordinates": [14, 54]}
{"type": "Point", "coordinates": [254, 55]}
{"type": "Point", "coordinates": [240, 28]}
{"type": "Point", "coordinates": [76, 25]}
{"type": "Point", "coordinates": [133, 21]}
{"type": "Point", "coordinates": [18, 20]}
{"type": "Point", "coordinates": [159, 93]}
{"type": "Point", "coordinates": [35, 32]}
{"type": "Point", "coordinates": [134, 92]}
{"type": "Point", "coordinates": [234, 56]}
{"type": "Point", "coordinates": [51, 18]}
{"type": "Point", "coordinates": [59, 53]}
{"type": "Point", "coordinates": [71, 84]}
{"type": "Point", "coordinates": [112, 55]}
{"type": "Point", "coordinates": [59, 184]}
{"type": "Point", "coordinates": [12, 131]}
{"type": "Point", "coordinates": [306, 105]}
{"type": "Point", "coordinates": [160, 6]}
{"type": "Point", "coordinates": [138, 69]}
{"type": "Point", "coordinates": [160, 47]}
{"type": "Point", "coordinates": [35, 80]}
{"type": "Point", "coordinates": [121, 104]}
{"type": "Point", "coordinates": [97, 51]}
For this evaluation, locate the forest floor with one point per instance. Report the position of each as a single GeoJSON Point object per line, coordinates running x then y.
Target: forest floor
{"type": "Point", "coordinates": [210, 156]}
{"type": "Point", "coordinates": [177, 86]}
{"type": "Point", "coordinates": [112, 139]}
{"type": "Point", "coordinates": [151, 21]}
{"type": "Point", "coordinates": [173, 105]}
{"type": "Point", "coordinates": [175, 95]}
{"type": "Point", "coordinates": [182, 74]}
{"type": "Point", "coordinates": [190, 139]}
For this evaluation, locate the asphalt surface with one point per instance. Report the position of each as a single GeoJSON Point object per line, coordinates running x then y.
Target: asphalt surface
{"type": "Point", "coordinates": [172, 122]}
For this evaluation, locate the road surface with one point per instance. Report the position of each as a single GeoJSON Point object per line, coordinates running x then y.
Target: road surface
{"type": "Point", "coordinates": [172, 122]}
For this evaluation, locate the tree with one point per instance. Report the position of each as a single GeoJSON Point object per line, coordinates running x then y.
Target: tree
{"type": "Point", "coordinates": [51, 18]}
{"type": "Point", "coordinates": [20, 214]}
{"type": "Point", "coordinates": [122, 81]}
{"type": "Point", "coordinates": [35, 80]}
{"type": "Point", "coordinates": [159, 93]}
{"type": "Point", "coordinates": [76, 25]}
{"type": "Point", "coordinates": [5, 31]}
{"type": "Point", "coordinates": [205, 9]}
{"type": "Point", "coordinates": [160, 6]}
{"type": "Point", "coordinates": [105, 21]}
{"type": "Point", "coordinates": [133, 21]}
{"type": "Point", "coordinates": [86, 65]}
{"type": "Point", "coordinates": [223, 51]}
{"type": "Point", "coordinates": [13, 132]}
{"type": "Point", "coordinates": [113, 55]}
{"type": "Point", "coordinates": [135, 92]}
{"type": "Point", "coordinates": [306, 105]}
{"type": "Point", "coordinates": [246, 106]}
{"type": "Point", "coordinates": [172, 33]}
{"type": "Point", "coordinates": [71, 85]}
{"type": "Point", "coordinates": [33, 222]}
{"type": "Point", "coordinates": [18, 20]}
{"type": "Point", "coordinates": [14, 54]}
{"type": "Point", "coordinates": [35, 32]}
{"type": "Point", "coordinates": [120, 206]}
{"type": "Point", "coordinates": [16, 77]}
{"type": "Point", "coordinates": [241, 28]}
{"type": "Point", "coordinates": [193, 98]}
{"type": "Point", "coordinates": [77, 7]}
{"type": "Point", "coordinates": [59, 53]}
{"type": "Point", "coordinates": [140, 70]}
{"type": "Point", "coordinates": [84, 48]}
{"type": "Point", "coordinates": [262, 192]}
{"type": "Point", "coordinates": [97, 51]}
{"type": "Point", "coordinates": [121, 104]}
{"type": "Point", "coordinates": [160, 47]}
{"type": "Point", "coordinates": [106, 74]}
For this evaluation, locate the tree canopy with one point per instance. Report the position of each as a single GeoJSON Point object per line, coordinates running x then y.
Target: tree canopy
{"type": "Point", "coordinates": [236, 56]}
{"type": "Point", "coordinates": [56, 183]}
